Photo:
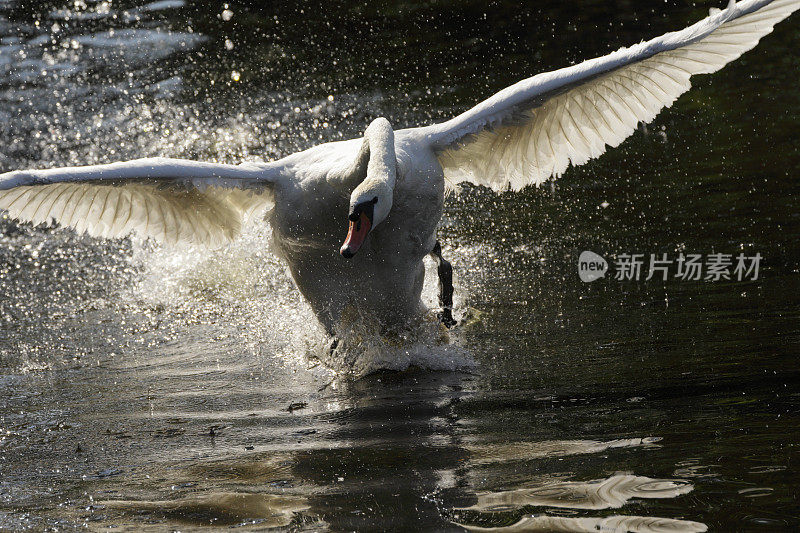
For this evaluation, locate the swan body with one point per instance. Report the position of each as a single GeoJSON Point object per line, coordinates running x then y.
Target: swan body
{"type": "Point", "coordinates": [389, 186]}
{"type": "Point", "coordinates": [307, 220]}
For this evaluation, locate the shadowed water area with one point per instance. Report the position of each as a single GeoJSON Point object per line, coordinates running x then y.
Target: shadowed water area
{"type": "Point", "coordinates": [146, 388]}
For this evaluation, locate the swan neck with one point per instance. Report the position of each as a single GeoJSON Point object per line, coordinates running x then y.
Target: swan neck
{"type": "Point", "coordinates": [382, 164]}
{"type": "Point", "coordinates": [376, 160]}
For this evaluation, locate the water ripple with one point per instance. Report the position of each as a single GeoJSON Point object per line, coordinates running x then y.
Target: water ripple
{"type": "Point", "coordinates": [630, 524]}
{"type": "Point", "coordinates": [610, 493]}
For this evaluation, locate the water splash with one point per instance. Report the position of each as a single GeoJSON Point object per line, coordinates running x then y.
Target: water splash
{"type": "Point", "coordinates": [363, 347]}
{"type": "Point", "coordinates": [248, 288]}
{"type": "Point", "coordinates": [150, 296]}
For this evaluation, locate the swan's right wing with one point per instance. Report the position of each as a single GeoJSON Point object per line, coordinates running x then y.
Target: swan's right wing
{"type": "Point", "coordinates": [171, 200]}
{"type": "Point", "coordinates": [536, 128]}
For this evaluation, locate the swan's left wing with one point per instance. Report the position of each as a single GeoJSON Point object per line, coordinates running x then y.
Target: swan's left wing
{"type": "Point", "coordinates": [171, 200]}
{"type": "Point", "coordinates": [538, 127]}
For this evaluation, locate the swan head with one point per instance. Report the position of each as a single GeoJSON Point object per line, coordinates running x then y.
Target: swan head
{"type": "Point", "coordinates": [370, 204]}
{"type": "Point", "coordinates": [371, 200]}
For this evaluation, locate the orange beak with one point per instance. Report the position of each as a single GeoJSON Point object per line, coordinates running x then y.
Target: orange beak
{"type": "Point", "coordinates": [355, 236]}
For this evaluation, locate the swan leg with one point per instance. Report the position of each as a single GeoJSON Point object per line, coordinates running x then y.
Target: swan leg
{"type": "Point", "coordinates": [333, 345]}
{"type": "Point", "coordinates": [445, 271]}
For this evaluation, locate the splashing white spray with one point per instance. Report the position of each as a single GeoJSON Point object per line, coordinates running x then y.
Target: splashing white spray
{"type": "Point", "coordinates": [246, 287]}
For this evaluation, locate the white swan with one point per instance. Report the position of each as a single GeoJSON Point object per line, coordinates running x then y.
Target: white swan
{"type": "Point", "coordinates": [391, 184]}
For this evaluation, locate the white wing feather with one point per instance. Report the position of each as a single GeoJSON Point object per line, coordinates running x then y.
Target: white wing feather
{"type": "Point", "coordinates": [536, 128]}
{"type": "Point", "coordinates": [168, 199]}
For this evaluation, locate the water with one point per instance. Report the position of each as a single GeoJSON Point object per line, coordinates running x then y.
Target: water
{"type": "Point", "coordinates": [152, 389]}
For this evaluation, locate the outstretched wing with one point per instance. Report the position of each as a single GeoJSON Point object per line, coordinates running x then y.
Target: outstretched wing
{"type": "Point", "coordinates": [538, 127]}
{"type": "Point", "coordinates": [171, 200]}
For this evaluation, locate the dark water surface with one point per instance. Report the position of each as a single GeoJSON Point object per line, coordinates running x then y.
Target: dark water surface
{"type": "Point", "coordinates": [151, 389]}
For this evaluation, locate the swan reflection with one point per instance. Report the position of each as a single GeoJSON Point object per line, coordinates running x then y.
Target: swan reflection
{"type": "Point", "coordinates": [621, 524]}
{"type": "Point", "coordinates": [610, 493]}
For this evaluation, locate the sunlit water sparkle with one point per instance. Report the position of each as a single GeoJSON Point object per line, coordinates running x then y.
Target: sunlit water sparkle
{"type": "Point", "coordinates": [146, 388]}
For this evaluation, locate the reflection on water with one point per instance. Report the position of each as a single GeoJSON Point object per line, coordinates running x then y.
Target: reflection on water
{"type": "Point", "coordinates": [532, 450]}
{"type": "Point", "coordinates": [598, 494]}
{"type": "Point", "coordinates": [147, 388]}
{"type": "Point", "coordinates": [610, 493]}
{"type": "Point", "coordinates": [617, 524]}
{"type": "Point", "coordinates": [304, 488]}
{"type": "Point", "coordinates": [223, 509]}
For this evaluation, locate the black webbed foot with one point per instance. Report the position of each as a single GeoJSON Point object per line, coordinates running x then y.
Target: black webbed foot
{"type": "Point", "coordinates": [445, 271]}
{"type": "Point", "coordinates": [332, 346]}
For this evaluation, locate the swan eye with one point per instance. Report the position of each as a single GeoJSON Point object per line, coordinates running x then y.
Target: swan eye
{"type": "Point", "coordinates": [366, 207]}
